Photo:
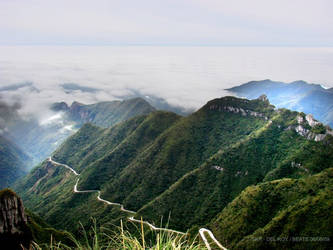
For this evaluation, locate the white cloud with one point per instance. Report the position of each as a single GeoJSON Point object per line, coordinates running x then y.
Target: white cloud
{"type": "Point", "coordinates": [183, 76]}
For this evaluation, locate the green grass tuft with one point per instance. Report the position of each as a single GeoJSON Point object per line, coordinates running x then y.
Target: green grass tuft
{"type": "Point", "coordinates": [97, 238]}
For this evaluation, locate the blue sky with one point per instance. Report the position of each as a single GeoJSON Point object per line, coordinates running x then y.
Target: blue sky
{"type": "Point", "coordinates": [167, 22]}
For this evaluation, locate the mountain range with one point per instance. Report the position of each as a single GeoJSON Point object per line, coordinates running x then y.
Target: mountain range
{"type": "Point", "coordinates": [213, 167]}
{"type": "Point", "coordinates": [299, 95]}
{"type": "Point", "coordinates": [104, 114]}
{"type": "Point", "coordinates": [40, 138]}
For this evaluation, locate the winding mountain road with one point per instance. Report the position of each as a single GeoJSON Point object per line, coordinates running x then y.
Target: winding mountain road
{"type": "Point", "coordinates": [202, 231]}
{"type": "Point", "coordinates": [63, 165]}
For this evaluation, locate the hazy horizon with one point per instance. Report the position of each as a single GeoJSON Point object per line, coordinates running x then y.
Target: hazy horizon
{"type": "Point", "coordinates": [183, 76]}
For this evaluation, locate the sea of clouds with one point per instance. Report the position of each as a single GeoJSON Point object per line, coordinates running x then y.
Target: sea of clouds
{"type": "Point", "coordinates": [32, 78]}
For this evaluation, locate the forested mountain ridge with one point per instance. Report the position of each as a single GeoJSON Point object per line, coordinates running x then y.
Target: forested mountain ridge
{"type": "Point", "coordinates": [191, 167]}
{"type": "Point", "coordinates": [276, 150]}
{"type": "Point", "coordinates": [40, 138]}
{"type": "Point", "coordinates": [104, 114]}
{"type": "Point", "coordinates": [285, 213]}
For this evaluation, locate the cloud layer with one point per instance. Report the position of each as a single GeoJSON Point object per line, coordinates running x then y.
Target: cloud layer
{"type": "Point", "coordinates": [183, 76]}
{"type": "Point", "coordinates": [8, 113]}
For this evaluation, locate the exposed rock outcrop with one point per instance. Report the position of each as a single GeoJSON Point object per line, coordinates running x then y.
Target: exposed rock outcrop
{"type": "Point", "coordinates": [263, 98]}
{"type": "Point", "coordinates": [309, 121]}
{"type": "Point", "coordinates": [241, 106]}
{"type": "Point", "coordinates": [218, 168]}
{"type": "Point", "coordinates": [14, 232]}
{"type": "Point", "coordinates": [243, 112]}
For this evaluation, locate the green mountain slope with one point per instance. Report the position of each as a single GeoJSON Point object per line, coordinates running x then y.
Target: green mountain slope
{"type": "Point", "coordinates": [108, 147]}
{"type": "Point", "coordinates": [272, 152]}
{"type": "Point", "coordinates": [286, 213]}
{"type": "Point", "coordinates": [13, 162]}
{"type": "Point", "coordinates": [191, 167]}
{"type": "Point", "coordinates": [180, 149]}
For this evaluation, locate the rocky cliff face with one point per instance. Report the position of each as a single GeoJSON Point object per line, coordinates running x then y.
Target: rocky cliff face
{"type": "Point", "coordinates": [241, 106]}
{"type": "Point", "coordinates": [311, 123]}
{"type": "Point", "coordinates": [243, 112]}
{"type": "Point", "coordinates": [14, 232]}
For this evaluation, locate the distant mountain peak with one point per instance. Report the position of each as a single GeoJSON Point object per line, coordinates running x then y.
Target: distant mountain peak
{"type": "Point", "coordinates": [106, 113]}
{"type": "Point", "coordinates": [135, 99]}
{"type": "Point", "coordinates": [59, 106]}
{"type": "Point", "coordinates": [76, 104]}
{"type": "Point", "coordinates": [298, 95]}
{"type": "Point", "coordinates": [299, 82]}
